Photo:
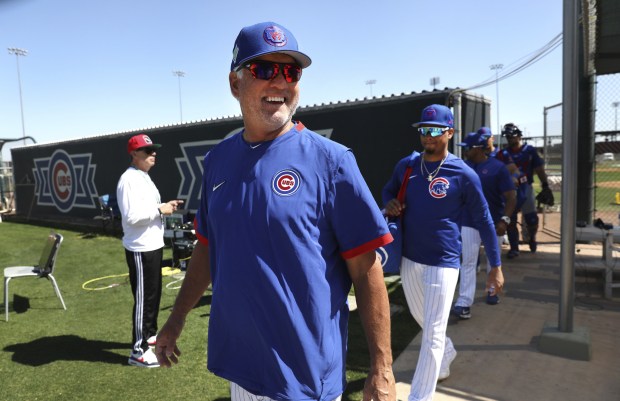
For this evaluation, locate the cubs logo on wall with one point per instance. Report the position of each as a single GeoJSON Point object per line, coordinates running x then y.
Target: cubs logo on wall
{"type": "Point", "coordinates": [65, 181]}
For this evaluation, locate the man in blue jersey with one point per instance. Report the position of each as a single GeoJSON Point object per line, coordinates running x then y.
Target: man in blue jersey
{"type": "Point", "coordinates": [528, 162]}
{"type": "Point", "coordinates": [440, 188]}
{"type": "Point", "coordinates": [499, 192]}
{"type": "Point", "coordinates": [286, 225]}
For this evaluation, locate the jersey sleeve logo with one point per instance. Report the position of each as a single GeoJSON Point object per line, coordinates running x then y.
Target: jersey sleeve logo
{"type": "Point", "coordinates": [286, 182]}
{"type": "Point", "coordinates": [438, 188]}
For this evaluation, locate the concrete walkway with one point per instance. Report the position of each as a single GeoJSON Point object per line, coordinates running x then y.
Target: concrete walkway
{"type": "Point", "coordinates": [498, 356]}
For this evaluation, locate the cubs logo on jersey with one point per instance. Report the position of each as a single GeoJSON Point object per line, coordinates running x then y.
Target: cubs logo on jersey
{"type": "Point", "coordinates": [286, 182]}
{"type": "Point", "coordinates": [438, 188]}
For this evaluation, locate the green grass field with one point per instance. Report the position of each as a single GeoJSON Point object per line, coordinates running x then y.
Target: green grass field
{"type": "Point", "coordinates": [81, 353]}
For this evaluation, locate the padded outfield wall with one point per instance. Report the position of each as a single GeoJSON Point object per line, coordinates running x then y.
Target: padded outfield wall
{"type": "Point", "coordinates": [63, 180]}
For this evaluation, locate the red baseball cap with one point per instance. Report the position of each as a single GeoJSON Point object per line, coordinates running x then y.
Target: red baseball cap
{"type": "Point", "coordinates": [140, 141]}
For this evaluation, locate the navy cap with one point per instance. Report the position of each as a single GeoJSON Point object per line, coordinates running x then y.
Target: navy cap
{"type": "Point", "coordinates": [265, 38]}
{"type": "Point", "coordinates": [436, 114]}
{"type": "Point", "coordinates": [475, 140]}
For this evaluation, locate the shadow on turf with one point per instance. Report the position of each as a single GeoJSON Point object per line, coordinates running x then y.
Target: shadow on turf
{"type": "Point", "coordinates": [66, 348]}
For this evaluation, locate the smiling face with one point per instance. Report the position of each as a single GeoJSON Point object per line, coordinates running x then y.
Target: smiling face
{"type": "Point", "coordinates": [267, 106]}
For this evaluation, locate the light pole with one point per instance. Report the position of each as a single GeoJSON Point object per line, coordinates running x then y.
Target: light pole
{"type": "Point", "coordinates": [434, 82]}
{"type": "Point", "coordinates": [20, 52]}
{"type": "Point", "coordinates": [615, 105]}
{"type": "Point", "coordinates": [370, 83]}
{"type": "Point", "coordinates": [180, 74]}
{"type": "Point", "coordinates": [496, 68]}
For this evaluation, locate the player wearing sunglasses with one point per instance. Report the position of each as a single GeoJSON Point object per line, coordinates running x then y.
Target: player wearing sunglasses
{"type": "Point", "coordinates": [440, 188]}
{"type": "Point", "coordinates": [286, 225]}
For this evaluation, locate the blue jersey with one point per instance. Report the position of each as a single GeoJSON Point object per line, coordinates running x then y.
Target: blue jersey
{"type": "Point", "coordinates": [434, 211]}
{"type": "Point", "coordinates": [280, 218]}
{"type": "Point", "coordinates": [526, 158]}
{"type": "Point", "coordinates": [495, 180]}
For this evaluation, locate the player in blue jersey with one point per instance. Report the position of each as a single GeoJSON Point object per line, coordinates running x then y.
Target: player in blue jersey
{"type": "Point", "coordinates": [529, 162]}
{"type": "Point", "coordinates": [440, 188]}
{"type": "Point", "coordinates": [500, 194]}
{"type": "Point", "coordinates": [286, 225]}
{"type": "Point", "coordinates": [491, 151]}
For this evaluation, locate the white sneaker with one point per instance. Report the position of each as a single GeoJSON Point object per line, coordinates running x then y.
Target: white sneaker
{"type": "Point", "coordinates": [146, 359]}
{"type": "Point", "coordinates": [152, 341]}
{"type": "Point", "coordinates": [444, 372]}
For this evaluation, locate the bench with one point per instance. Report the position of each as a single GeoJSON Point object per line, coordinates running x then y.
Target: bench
{"type": "Point", "coordinates": [607, 238]}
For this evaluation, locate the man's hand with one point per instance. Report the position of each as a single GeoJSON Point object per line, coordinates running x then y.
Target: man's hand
{"type": "Point", "coordinates": [380, 386]}
{"type": "Point", "coordinates": [170, 207]}
{"type": "Point", "coordinates": [394, 208]}
{"type": "Point", "coordinates": [495, 282]}
{"type": "Point", "coordinates": [166, 350]}
{"type": "Point", "coordinates": [500, 228]}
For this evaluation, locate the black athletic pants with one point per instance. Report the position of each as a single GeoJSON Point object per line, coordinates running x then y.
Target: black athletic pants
{"type": "Point", "coordinates": [145, 278]}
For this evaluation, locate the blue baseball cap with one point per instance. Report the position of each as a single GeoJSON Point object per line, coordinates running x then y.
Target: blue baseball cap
{"type": "Point", "coordinates": [265, 38]}
{"type": "Point", "coordinates": [486, 131]}
{"type": "Point", "coordinates": [475, 140]}
{"type": "Point", "coordinates": [436, 114]}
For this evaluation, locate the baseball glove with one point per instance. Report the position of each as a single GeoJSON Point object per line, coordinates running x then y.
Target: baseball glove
{"type": "Point", "coordinates": [545, 197]}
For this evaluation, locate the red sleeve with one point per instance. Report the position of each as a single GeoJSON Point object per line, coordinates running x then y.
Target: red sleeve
{"type": "Point", "coordinates": [369, 246]}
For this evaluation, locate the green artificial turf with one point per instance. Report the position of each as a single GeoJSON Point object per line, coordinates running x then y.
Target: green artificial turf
{"type": "Point", "coordinates": [47, 353]}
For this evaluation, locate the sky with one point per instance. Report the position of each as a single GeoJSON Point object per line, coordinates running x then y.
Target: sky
{"type": "Point", "coordinates": [103, 67]}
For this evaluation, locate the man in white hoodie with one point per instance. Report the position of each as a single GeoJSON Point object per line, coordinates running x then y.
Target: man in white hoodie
{"type": "Point", "coordinates": [143, 238]}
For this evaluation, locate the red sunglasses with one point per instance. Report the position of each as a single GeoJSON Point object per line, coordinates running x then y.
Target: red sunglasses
{"type": "Point", "coordinates": [268, 70]}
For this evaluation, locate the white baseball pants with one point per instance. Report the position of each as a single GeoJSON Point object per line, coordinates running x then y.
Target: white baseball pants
{"type": "Point", "coordinates": [429, 291]}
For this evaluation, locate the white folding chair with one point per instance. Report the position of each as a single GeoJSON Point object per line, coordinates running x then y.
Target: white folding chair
{"type": "Point", "coordinates": [45, 268]}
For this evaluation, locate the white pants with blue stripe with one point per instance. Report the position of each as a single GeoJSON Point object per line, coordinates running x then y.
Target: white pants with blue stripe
{"type": "Point", "coordinates": [429, 291]}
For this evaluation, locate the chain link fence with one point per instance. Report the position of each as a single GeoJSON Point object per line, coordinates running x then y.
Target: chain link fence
{"type": "Point", "coordinates": [607, 150]}
{"type": "Point", "coordinates": [552, 155]}
{"type": "Point", "coordinates": [606, 179]}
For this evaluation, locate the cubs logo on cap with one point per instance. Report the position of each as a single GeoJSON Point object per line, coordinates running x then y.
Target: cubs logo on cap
{"type": "Point", "coordinates": [286, 182]}
{"type": "Point", "coordinates": [140, 141]}
{"type": "Point", "coordinates": [430, 114]}
{"type": "Point", "coordinates": [436, 114]}
{"type": "Point", "coordinates": [265, 38]}
{"type": "Point", "coordinates": [274, 36]}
